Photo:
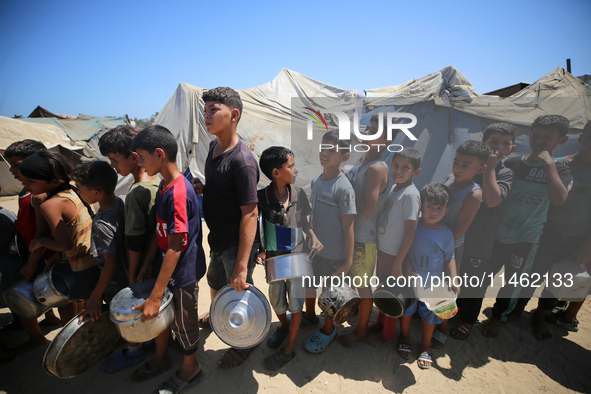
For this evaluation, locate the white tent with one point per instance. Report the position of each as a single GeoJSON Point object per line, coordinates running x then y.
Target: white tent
{"type": "Point", "coordinates": [447, 109]}
{"type": "Point", "coordinates": [12, 130]}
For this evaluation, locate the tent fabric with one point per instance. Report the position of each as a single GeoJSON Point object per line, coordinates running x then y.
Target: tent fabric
{"type": "Point", "coordinates": [13, 130]}
{"type": "Point", "coordinates": [81, 128]}
{"type": "Point", "coordinates": [447, 108]}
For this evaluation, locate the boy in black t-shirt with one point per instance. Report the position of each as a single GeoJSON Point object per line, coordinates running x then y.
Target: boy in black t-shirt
{"type": "Point", "coordinates": [229, 203]}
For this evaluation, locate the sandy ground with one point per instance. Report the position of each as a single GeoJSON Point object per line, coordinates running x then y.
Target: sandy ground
{"type": "Point", "coordinates": [514, 362]}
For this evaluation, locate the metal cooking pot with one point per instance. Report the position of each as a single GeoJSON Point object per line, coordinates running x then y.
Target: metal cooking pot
{"type": "Point", "coordinates": [393, 301]}
{"type": "Point", "coordinates": [44, 288]}
{"type": "Point", "coordinates": [77, 347]}
{"type": "Point", "coordinates": [339, 303]}
{"type": "Point", "coordinates": [241, 319]}
{"type": "Point", "coordinates": [20, 299]}
{"type": "Point", "coordinates": [289, 266]}
{"type": "Point", "coordinates": [128, 321]}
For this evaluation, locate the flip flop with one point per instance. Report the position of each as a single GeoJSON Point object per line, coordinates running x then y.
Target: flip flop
{"type": "Point", "coordinates": [175, 385]}
{"type": "Point", "coordinates": [461, 332]}
{"type": "Point", "coordinates": [203, 322]}
{"type": "Point", "coordinates": [278, 360]}
{"type": "Point", "coordinates": [276, 339]}
{"type": "Point", "coordinates": [143, 373]}
{"type": "Point", "coordinates": [237, 355]}
{"type": "Point", "coordinates": [404, 350]}
{"type": "Point", "coordinates": [427, 358]}
{"type": "Point", "coordinates": [319, 341]}
{"type": "Point", "coordinates": [438, 339]}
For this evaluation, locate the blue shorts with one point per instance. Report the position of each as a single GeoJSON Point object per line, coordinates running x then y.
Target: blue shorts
{"type": "Point", "coordinates": [427, 316]}
{"type": "Point", "coordinates": [222, 265]}
{"type": "Point", "coordinates": [75, 285]}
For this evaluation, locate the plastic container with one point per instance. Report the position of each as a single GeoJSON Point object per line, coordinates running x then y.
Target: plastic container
{"type": "Point", "coordinates": [441, 301]}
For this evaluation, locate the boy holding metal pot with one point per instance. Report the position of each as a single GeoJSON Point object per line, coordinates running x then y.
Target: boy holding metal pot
{"type": "Point", "coordinates": [284, 210]}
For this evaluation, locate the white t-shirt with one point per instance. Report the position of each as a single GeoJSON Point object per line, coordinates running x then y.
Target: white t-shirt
{"type": "Point", "coordinates": [402, 205]}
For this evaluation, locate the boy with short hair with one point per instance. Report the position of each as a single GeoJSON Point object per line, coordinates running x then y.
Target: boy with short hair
{"type": "Point", "coordinates": [539, 181]}
{"type": "Point", "coordinates": [140, 224]}
{"type": "Point", "coordinates": [370, 182]}
{"type": "Point", "coordinates": [396, 225]}
{"type": "Point", "coordinates": [179, 238]}
{"type": "Point", "coordinates": [566, 236]}
{"type": "Point", "coordinates": [96, 182]}
{"type": "Point", "coordinates": [466, 196]}
{"type": "Point", "coordinates": [431, 255]}
{"type": "Point", "coordinates": [229, 203]}
{"type": "Point", "coordinates": [284, 210]}
{"type": "Point", "coordinates": [333, 216]}
{"type": "Point", "coordinates": [496, 182]}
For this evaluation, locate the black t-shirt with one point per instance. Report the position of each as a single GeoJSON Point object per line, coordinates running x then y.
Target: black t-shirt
{"type": "Point", "coordinates": [230, 182]}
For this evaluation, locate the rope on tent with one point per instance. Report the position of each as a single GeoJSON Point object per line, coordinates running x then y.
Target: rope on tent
{"type": "Point", "coordinates": [3, 158]}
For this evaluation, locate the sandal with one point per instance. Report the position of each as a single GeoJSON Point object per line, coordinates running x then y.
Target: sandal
{"type": "Point", "coordinates": [438, 339]}
{"type": "Point", "coordinates": [572, 326]}
{"type": "Point", "coordinates": [175, 385]}
{"type": "Point", "coordinates": [143, 373]}
{"type": "Point", "coordinates": [278, 360]}
{"type": "Point", "coordinates": [276, 339]}
{"type": "Point", "coordinates": [122, 360]}
{"type": "Point", "coordinates": [237, 356]}
{"type": "Point", "coordinates": [203, 322]}
{"type": "Point", "coordinates": [404, 350]}
{"type": "Point", "coordinates": [319, 341]}
{"type": "Point", "coordinates": [427, 360]}
{"type": "Point", "coordinates": [461, 332]}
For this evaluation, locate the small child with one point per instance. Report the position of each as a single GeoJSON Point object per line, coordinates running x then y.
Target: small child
{"type": "Point", "coordinates": [397, 224]}
{"type": "Point", "coordinates": [466, 196]}
{"type": "Point", "coordinates": [333, 216]}
{"type": "Point", "coordinates": [96, 182]}
{"type": "Point", "coordinates": [539, 181]}
{"type": "Point", "coordinates": [140, 225]}
{"type": "Point", "coordinates": [284, 209]}
{"type": "Point", "coordinates": [370, 182]}
{"type": "Point", "coordinates": [431, 255]}
{"type": "Point", "coordinates": [496, 182]}
{"type": "Point", "coordinates": [67, 226]}
{"type": "Point", "coordinates": [179, 238]}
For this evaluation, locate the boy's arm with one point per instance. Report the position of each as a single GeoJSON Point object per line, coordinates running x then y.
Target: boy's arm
{"type": "Point", "coordinates": [52, 210]}
{"type": "Point", "coordinates": [375, 176]}
{"type": "Point", "coordinates": [152, 305]}
{"type": "Point", "coordinates": [348, 221]}
{"type": "Point", "coordinates": [28, 270]}
{"type": "Point", "coordinates": [556, 190]}
{"type": "Point", "coordinates": [148, 259]}
{"type": "Point", "coordinates": [248, 225]}
{"type": "Point", "coordinates": [470, 206]}
{"type": "Point", "coordinates": [452, 271]}
{"type": "Point", "coordinates": [94, 305]}
{"type": "Point", "coordinates": [491, 192]}
{"type": "Point", "coordinates": [410, 227]}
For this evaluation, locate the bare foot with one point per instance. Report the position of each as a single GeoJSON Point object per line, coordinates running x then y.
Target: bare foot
{"type": "Point", "coordinates": [492, 328]}
{"type": "Point", "coordinates": [188, 375]}
{"type": "Point", "coordinates": [515, 313]}
{"type": "Point", "coordinates": [375, 327]}
{"type": "Point", "coordinates": [351, 339]}
{"type": "Point", "coordinates": [540, 329]}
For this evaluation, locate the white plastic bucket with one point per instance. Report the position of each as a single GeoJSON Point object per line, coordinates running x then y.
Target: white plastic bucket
{"type": "Point", "coordinates": [440, 300]}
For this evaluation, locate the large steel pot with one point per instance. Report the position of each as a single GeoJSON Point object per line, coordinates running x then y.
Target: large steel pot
{"type": "Point", "coordinates": [45, 288]}
{"type": "Point", "coordinates": [288, 266]}
{"type": "Point", "coordinates": [339, 303]}
{"type": "Point", "coordinates": [20, 299]}
{"type": "Point", "coordinates": [240, 319]}
{"type": "Point", "coordinates": [79, 346]}
{"type": "Point", "coordinates": [393, 301]}
{"type": "Point", "coordinates": [128, 321]}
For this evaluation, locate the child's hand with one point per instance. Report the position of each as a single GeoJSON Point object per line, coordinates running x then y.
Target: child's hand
{"type": "Point", "coordinates": [151, 308]}
{"type": "Point", "coordinates": [238, 281]}
{"type": "Point", "coordinates": [28, 271]}
{"type": "Point", "coordinates": [34, 245]}
{"type": "Point", "coordinates": [142, 273]}
{"type": "Point", "coordinates": [396, 271]}
{"type": "Point", "coordinates": [543, 157]}
{"type": "Point", "coordinates": [93, 309]}
{"type": "Point", "coordinates": [456, 290]}
{"type": "Point", "coordinates": [494, 159]}
{"type": "Point", "coordinates": [260, 259]}
{"type": "Point", "coordinates": [197, 185]}
{"type": "Point", "coordinates": [316, 245]}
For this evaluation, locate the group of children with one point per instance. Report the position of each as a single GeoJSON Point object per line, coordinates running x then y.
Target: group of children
{"type": "Point", "coordinates": [488, 213]}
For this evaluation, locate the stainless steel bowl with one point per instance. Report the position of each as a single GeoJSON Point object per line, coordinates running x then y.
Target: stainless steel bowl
{"type": "Point", "coordinates": [288, 266]}
{"type": "Point", "coordinates": [46, 292]}
{"type": "Point", "coordinates": [241, 319]}
{"type": "Point", "coordinates": [20, 299]}
{"type": "Point", "coordinates": [128, 321]}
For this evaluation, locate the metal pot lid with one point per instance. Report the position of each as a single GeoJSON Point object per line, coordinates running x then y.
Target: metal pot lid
{"type": "Point", "coordinates": [77, 347]}
{"type": "Point", "coordinates": [241, 319]}
{"type": "Point", "coordinates": [262, 230]}
{"type": "Point", "coordinates": [121, 305]}
{"type": "Point", "coordinates": [21, 300]}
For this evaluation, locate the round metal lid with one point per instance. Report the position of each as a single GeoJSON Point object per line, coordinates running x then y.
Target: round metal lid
{"type": "Point", "coordinates": [134, 295]}
{"type": "Point", "coordinates": [77, 347]}
{"type": "Point", "coordinates": [241, 319]}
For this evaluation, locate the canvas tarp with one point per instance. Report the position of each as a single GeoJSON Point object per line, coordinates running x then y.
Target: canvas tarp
{"type": "Point", "coordinates": [12, 130]}
{"type": "Point", "coordinates": [448, 112]}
